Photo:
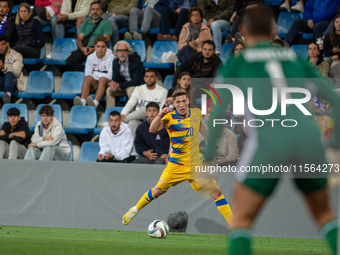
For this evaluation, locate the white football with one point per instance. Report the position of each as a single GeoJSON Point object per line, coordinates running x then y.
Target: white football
{"type": "Point", "coordinates": [158, 229]}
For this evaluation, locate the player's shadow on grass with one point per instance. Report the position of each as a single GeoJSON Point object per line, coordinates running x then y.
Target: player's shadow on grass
{"type": "Point", "coordinates": [206, 226]}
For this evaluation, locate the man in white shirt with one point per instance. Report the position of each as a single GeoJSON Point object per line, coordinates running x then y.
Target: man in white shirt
{"type": "Point", "coordinates": [49, 141]}
{"type": "Point", "coordinates": [116, 141]}
{"type": "Point", "coordinates": [134, 111]}
{"type": "Point", "coordinates": [98, 73]}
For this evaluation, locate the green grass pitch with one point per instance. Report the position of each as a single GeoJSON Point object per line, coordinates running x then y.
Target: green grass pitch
{"type": "Point", "coordinates": [15, 240]}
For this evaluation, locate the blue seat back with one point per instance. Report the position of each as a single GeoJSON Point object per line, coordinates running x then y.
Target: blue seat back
{"type": "Point", "coordinates": [58, 114]}
{"type": "Point", "coordinates": [71, 82]}
{"type": "Point", "coordinates": [40, 82]}
{"type": "Point", "coordinates": [139, 47]}
{"type": "Point", "coordinates": [160, 47]}
{"type": "Point", "coordinates": [82, 117]}
{"type": "Point", "coordinates": [284, 22]}
{"type": "Point", "coordinates": [88, 152]}
{"type": "Point", "coordinates": [42, 52]}
{"type": "Point", "coordinates": [71, 153]}
{"type": "Point", "coordinates": [301, 50]}
{"type": "Point", "coordinates": [110, 109]}
{"type": "Point", "coordinates": [62, 47]}
{"type": "Point", "coordinates": [168, 82]}
{"type": "Point", "coordinates": [22, 108]}
{"type": "Point", "coordinates": [225, 52]}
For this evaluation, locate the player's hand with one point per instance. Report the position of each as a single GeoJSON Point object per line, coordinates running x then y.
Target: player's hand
{"type": "Point", "coordinates": [32, 145]}
{"type": "Point", "coordinates": [310, 24]}
{"type": "Point", "coordinates": [108, 156]}
{"type": "Point", "coordinates": [100, 157]}
{"type": "Point", "coordinates": [2, 132]}
{"type": "Point", "coordinates": [150, 155]}
{"type": "Point", "coordinates": [48, 138]}
{"type": "Point", "coordinates": [165, 111]}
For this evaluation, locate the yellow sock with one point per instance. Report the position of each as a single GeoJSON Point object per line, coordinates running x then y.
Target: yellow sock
{"type": "Point", "coordinates": [224, 208]}
{"type": "Point", "coordinates": [145, 199]}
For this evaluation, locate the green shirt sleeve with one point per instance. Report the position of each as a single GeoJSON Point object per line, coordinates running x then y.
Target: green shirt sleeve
{"type": "Point", "coordinates": [82, 28]}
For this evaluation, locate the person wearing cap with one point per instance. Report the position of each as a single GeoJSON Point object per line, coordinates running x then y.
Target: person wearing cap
{"type": "Point", "coordinates": [10, 69]}
{"type": "Point", "coordinates": [49, 141]}
{"type": "Point", "coordinates": [14, 136]}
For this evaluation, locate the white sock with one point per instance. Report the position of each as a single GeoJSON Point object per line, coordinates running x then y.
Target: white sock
{"type": "Point", "coordinates": [134, 208]}
{"type": "Point", "coordinates": [96, 103]}
{"type": "Point", "coordinates": [83, 102]}
{"type": "Point", "coordinates": [9, 93]}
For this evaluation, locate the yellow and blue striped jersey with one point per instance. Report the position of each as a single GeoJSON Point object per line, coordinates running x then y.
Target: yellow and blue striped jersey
{"type": "Point", "coordinates": [183, 133]}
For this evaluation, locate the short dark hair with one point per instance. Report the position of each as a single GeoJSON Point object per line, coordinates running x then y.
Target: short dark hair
{"type": "Point", "coordinates": [259, 20]}
{"type": "Point", "coordinates": [100, 38]}
{"type": "Point", "coordinates": [3, 37]}
{"type": "Point", "coordinates": [5, 1]}
{"type": "Point", "coordinates": [46, 109]}
{"type": "Point", "coordinates": [114, 113]}
{"type": "Point", "coordinates": [96, 3]}
{"type": "Point", "coordinates": [152, 104]}
{"type": "Point", "coordinates": [150, 70]}
{"type": "Point", "coordinates": [193, 9]}
{"type": "Point", "coordinates": [209, 42]}
{"type": "Point", "coordinates": [179, 92]}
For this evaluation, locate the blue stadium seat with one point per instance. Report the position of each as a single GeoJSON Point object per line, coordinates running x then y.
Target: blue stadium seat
{"type": "Point", "coordinates": [225, 52]}
{"type": "Point", "coordinates": [61, 49]}
{"type": "Point", "coordinates": [34, 61]}
{"type": "Point", "coordinates": [83, 119]}
{"type": "Point", "coordinates": [155, 31]}
{"type": "Point", "coordinates": [301, 50]}
{"type": "Point", "coordinates": [22, 108]}
{"type": "Point", "coordinates": [157, 51]}
{"type": "Point", "coordinates": [274, 2]}
{"type": "Point", "coordinates": [71, 153]}
{"type": "Point", "coordinates": [70, 85]}
{"type": "Point", "coordinates": [225, 33]}
{"type": "Point", "coordinates": [39, 85]}
{"type": "Point", "coordinates": [139, 47]}
{"type": "Point", "coordinates": [16, 7]}
{"type": "Point", "coordinates": [106, 117]}
{"type": "Point", "coordinates": [284, 22]}
{"type": "Point", "coordinates": [88, 152]}
{"type": "Point", "coordinates": [168, 82]}
{"type": "Point", "coordinates": [13, 93]}
{"type": "Point", "coordinates": [58, 114]}
{"type": "Point", "coordinates": [123, 30]}
{"type": "Point", "coordinates": [308, 36]}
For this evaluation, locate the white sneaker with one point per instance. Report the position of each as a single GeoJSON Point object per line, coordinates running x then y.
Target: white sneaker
{"type": "Point", "coordinates": [297, 8]}
{"type": "Point", "coordinates": [284, 7]}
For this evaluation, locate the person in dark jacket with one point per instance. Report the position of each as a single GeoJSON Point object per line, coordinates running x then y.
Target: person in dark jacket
{"type": "Point", "coordinates": [201, 65]}
{"type": "Point", "coordinates": [14, 136]}
{"type": "Point", "coordinates": [29, 37]}
{"type": "Point", "coordinates": [174, 16]}
{"type": "Point", "coordinates": [316, 18]}
{"type": "Point", "coordinates": [7, 26]}
{"type": "Point", "coordinates": [331, 44]}
{"type": "Point", "coordinates": [127, 72]}
{"type": "Point", "coordinates": [153, 148]}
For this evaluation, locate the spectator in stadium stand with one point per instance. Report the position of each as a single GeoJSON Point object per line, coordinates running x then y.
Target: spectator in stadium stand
{"type": "Point", "coordinates": [237, 49]}
{"type": "Point", "coordinates": [10, 70]}
{"type": "Point", "coordinates": [174, 16]}
{"type": "Point", "coordinates": [45, 10]}
{"type": "Point", "coordinates": [148, 17]}
{"type": "Point", "coordinates": [236, 19]}
{"type": "Point", "coordinates": [316, 59]}
{"type": "Point", "coordinates": [134, 111]}
{"type": "Point", "coordinates": [217, 16]}
{"type": "Point", "coordinates": [243, 136]}
{"type": "Point", "coordinates": [98, 73]}
{"type": "Point", "coordinates": [193, 34]}
{"type": "Point", "coordinates": [201, 65]}
{"type": "Point", "coordinates": [153, 148]}
{"type": "Point", "coordinates": [183, 82]}
{"type": "Point", "coordinates": [29, 37]}
{"type": "Point", "coordinates": [118, 14]}
{"type": "Point", "coordinates": [116, 141]}
{"type": "Point", "coordinates": [14, 136]}
{"type": "Point", "coordinates": [49, 140]}
{"type": "Point", "coordinates": [298, 7]}
{"type": "Point", "coordinates": [89, 30]}
{"type": "Point", "coordinates": [7, 26]}
{"type": "Point", "coordinates": [127, 73]}
{"type": "Point", "coordinates": [316, 17]}
{"type": "Point", "coordinates": [71, 12]}
{"type": "Point", "coordinates": [331, 44]}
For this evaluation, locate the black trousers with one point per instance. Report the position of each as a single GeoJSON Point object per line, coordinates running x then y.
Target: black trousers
{"type": "Point", "coordinates": [28, 51]}
{"type": "Point", "coordinates": [126, 160]}
{"type": "Point", "coordinates": [75, 60]}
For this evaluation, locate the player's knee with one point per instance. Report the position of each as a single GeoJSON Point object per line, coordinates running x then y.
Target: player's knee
{"type": "Point", "coordinates": [157, 192]}
{"type": "Point", "coordinates": [217, 192]}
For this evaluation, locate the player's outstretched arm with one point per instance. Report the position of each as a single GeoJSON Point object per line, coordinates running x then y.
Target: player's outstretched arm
{"type": "Point", "coordinates": [158, 124]}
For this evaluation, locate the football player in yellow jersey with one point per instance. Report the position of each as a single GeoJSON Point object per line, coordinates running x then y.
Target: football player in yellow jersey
{"type": "Point", "coordinates": [183, 126]}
